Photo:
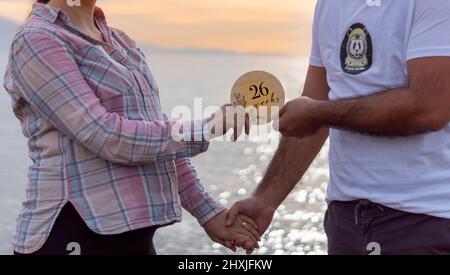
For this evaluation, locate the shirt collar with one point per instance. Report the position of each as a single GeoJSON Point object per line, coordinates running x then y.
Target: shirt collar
{"type": "Point", "coordinates": [51, 14]}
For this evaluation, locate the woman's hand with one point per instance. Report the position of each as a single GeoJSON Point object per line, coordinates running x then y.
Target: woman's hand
{"type": "Point", "coordinates": [244, 232]}
{"type": "Point", "coordinates": [227, 118]}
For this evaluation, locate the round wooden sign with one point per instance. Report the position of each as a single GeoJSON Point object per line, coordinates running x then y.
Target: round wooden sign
{"type": "Point", "coordinates": [260, 93]}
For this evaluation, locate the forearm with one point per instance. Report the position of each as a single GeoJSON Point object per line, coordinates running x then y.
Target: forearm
{"type": "Point", "coordinates": [399, 112]}
{"type": "Point", "coordinates": [193, 196]}
{"type": "Point", "coordinates": [131, 142]}
{"type": "Point", "coordinates": [294, 156]}
{"type": "Point", "coordinates": [291, 161]}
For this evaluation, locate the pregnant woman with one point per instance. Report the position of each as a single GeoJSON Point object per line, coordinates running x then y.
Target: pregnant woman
{"type": "Point", "coordinates": [107, 171]}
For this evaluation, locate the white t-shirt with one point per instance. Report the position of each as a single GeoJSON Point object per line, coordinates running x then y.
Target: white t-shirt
{"type": "Point", "coordinates": [365, 48]}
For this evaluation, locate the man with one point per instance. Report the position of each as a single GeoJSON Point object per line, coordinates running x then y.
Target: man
{"type": "Point", "coordinates": [379, 86]}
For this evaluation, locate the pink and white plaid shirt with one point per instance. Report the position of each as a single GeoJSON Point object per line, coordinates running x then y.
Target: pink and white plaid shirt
{"type": "Point", "coordinates": [97, 135]}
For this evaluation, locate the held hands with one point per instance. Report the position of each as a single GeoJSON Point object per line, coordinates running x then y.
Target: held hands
{"type": "Point", "coordinates": [254, 207]}
{"type": "Point", "coordinates": [226, 118]}
{"type": "Point", "coordinates": [242, 233]}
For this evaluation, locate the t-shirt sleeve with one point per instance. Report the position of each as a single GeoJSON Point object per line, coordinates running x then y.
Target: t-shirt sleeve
{"type": "Point", "coordinates": [430, 33]}
{"type": "Point", "coordinates": [316, 58]}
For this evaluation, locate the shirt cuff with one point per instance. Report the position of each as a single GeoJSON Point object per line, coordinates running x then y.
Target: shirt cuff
{"type": "Point", "coordinates": [428, 52]}
{"type": "Point", "coordinates": [205, 209]}
{"type": "Point", "coordinates": [191, 131]}
{"type": "Point", "coordinates": [195, 147]}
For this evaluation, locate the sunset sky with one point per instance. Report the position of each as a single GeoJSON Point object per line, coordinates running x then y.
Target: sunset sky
{"type": "Point", "coordinates": [246, 26]}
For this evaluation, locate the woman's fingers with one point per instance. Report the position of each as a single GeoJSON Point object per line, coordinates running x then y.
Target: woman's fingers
{"type": "Point", "coordinates": [238, 122]}
{"type": "Point", "coordinates": [227, 118]}
{"type": "Point", "coordinates": [230, 245]}
{"type": "Point", "coordinates": [249, 235]}
{"type": "Point", "coordinates": [234, 117]}
{"type": "Point", "coordinates": [237, 129]}
{"type": "Point", "coordinates": [249, 249]}
{"type": "Point", "coordinates": [239, 242]}
{"type": "Point", "coordinates": [246, 245]}
{"type": "Point", "coordinates": [247, 124]}
{"type": "Point", "coordinates": [227, 244]}
{"type": "Point", "coordinates": [244, 242]}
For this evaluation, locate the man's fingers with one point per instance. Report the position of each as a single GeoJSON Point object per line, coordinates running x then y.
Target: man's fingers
{"type": "Point", "coordinates": [232, 214]}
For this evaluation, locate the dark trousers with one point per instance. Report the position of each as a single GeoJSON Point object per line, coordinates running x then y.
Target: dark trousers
{"type": "Point", "coordinates": [71, 236]}
{"type": "Point", "coordinates": [364, 228]}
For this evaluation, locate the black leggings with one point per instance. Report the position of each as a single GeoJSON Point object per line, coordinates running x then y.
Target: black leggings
{"type": "Point", "coordinates": [71, 236]}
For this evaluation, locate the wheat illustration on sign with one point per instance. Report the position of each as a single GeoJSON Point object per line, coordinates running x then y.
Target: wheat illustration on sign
{"type": "Point", "coordinates": [260, 93]}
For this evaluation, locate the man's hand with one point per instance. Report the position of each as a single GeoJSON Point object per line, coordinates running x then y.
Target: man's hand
{"type": "Point", "coordinates": [299, 118]}
{"type": "Point", "coordinates": [292, 159]}
{"type": "Point", "coordinates": [293, 156]}
{"type": "Point", "coordinates": [255, 208]}
{"type": "Point", "coordinates": [420, 107]}
{"type": "Point", "coordinates": [242, 233]}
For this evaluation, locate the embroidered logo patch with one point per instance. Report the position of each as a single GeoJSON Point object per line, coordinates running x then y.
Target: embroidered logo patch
{"type": "Point", "coordinates": [356, 50]}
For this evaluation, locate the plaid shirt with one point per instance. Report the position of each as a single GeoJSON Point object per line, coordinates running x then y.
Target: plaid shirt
{"type": "Point", "coordinates": [96, 133]}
